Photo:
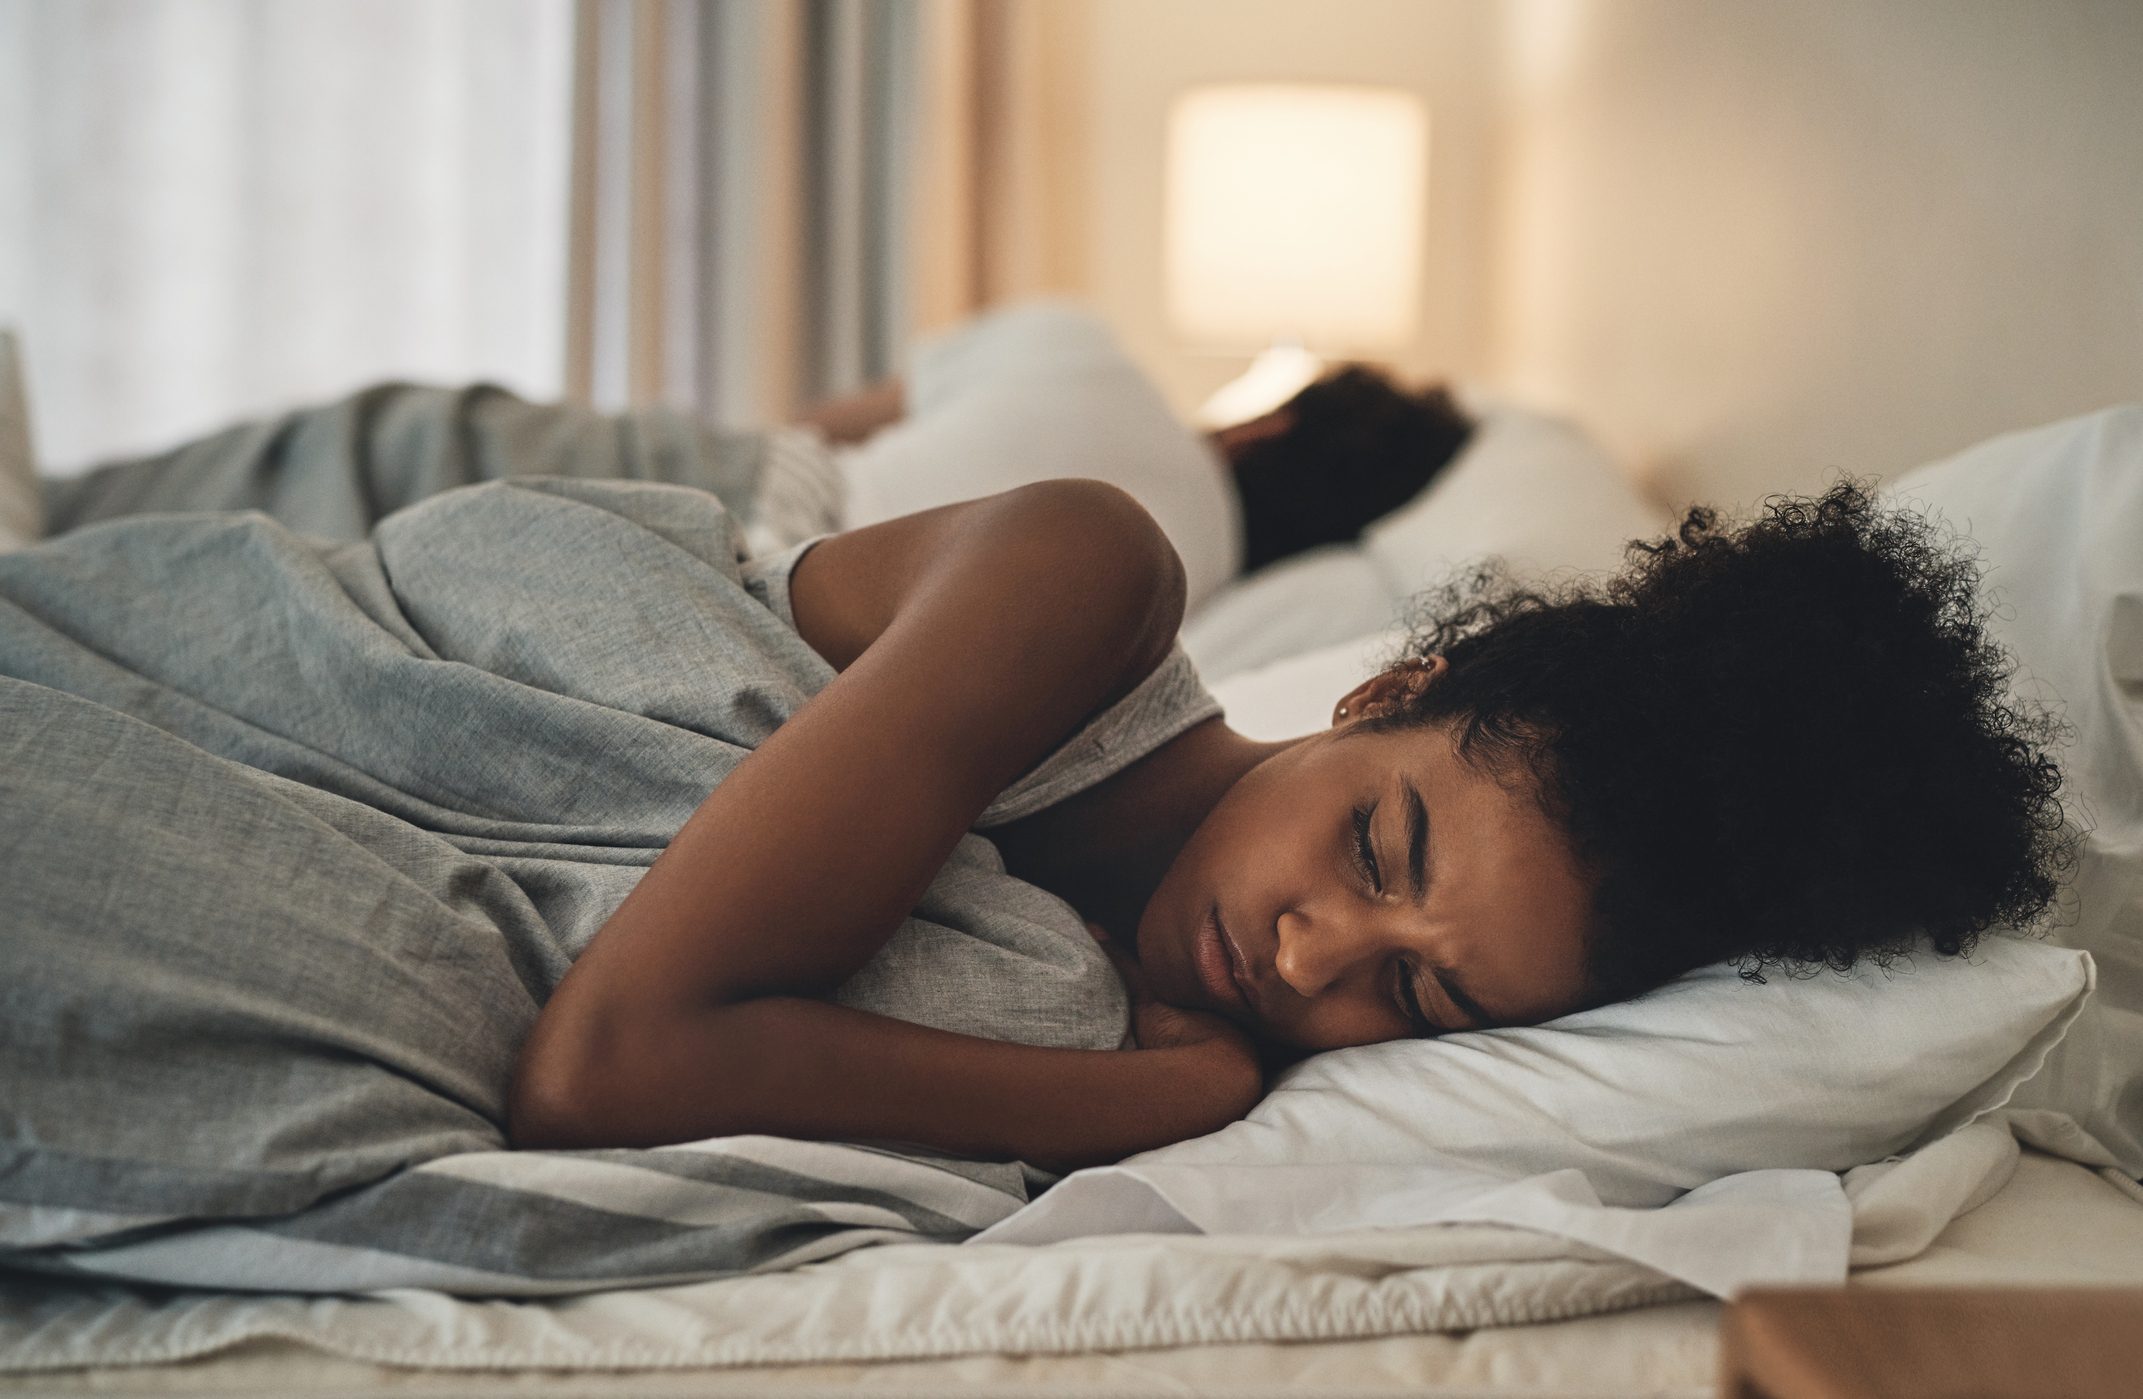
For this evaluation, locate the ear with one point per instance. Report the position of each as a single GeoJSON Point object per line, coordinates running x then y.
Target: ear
{"type": "Point", "coordinates": [1388, 690]}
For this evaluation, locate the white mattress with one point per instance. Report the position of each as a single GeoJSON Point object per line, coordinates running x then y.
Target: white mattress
{"type": "Point", "coordinates": [2055, 1222]}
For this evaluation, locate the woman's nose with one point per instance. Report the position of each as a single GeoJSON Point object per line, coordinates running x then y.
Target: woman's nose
{"type": "Point", "coordinates": [1316, 950]}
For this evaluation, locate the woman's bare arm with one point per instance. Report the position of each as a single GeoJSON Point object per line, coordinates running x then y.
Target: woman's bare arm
{"type": "Point", "coordinates": [861, 415]}
{"type": "Point", "coordinates": [795, 1067]}
{"type": "Point", "coordinates": [971, 641]}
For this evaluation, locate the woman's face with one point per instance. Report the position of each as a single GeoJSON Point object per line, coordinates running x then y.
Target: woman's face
{"type": "Point", "coordinates": [1363, 886]}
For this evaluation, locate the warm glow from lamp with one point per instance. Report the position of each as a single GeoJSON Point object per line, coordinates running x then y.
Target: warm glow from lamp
{"type": "Point", "coordinates": [1294, 214]}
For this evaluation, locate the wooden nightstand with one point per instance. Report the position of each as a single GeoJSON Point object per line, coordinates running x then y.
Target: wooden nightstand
{"type": "Point", "coordinates": [1849, 1342]}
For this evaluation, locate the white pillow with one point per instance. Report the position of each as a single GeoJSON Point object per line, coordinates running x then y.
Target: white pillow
{"type": "Point", "coordinates": [1703, 1078]}
{"type": "Point", "coordinates": [1531, 489]}
{"type": "Point", "coordinates": [2057, 516]}
{"type": "Point", "coordinates": [1693, 1129]}
{"type": "Point", "coordinates": [22, 511]}
{"type": "Point", "coordinates": [1294, 696]}
{"type": "Point", "coordinates": [1295, 606]}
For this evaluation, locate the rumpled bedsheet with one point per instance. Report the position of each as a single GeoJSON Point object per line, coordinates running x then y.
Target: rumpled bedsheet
{"type": "Point", "coordinates": [909, 1302]}
{"type": "Point", "coordinates": [298, 837]}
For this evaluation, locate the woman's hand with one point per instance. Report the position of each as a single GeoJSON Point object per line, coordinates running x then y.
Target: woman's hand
{"type": "Point", "coordinates": [1237, 1069]}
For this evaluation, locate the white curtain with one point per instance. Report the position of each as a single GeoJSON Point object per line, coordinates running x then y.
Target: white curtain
{"type": "Point", "coordinates": [211, 208]}
{"type": "Point", "coordinates": [742, 214]}
{"type": "Point", "coordinates": [215, 207]}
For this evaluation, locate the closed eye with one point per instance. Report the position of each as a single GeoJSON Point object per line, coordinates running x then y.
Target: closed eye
{"type": "Point", "coordinates": [1410, 1002]}
{"type": "Point", "coordinates": [1365, 855]}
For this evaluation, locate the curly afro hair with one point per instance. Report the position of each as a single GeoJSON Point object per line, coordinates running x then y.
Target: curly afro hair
{"type": "Point", "coordinates": [1789, 744]}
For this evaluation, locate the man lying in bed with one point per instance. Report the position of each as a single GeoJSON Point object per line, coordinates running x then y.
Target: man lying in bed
{"type": "Point", "coordinates": [1022, 395]}
{"type": "Point", "coordinates": [1044, 391]}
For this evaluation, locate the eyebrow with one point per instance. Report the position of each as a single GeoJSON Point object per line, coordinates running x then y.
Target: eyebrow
{"type": "Point", "coordinates": [1417, 869]}
{"type": "Point", "coordinates": [1417, 840]}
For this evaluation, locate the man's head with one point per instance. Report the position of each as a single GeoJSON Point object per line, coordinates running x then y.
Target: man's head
{"type": "Point", "coordinates": [1789, 744]}
{"type": "Point", "coordinates": [1346, 451]}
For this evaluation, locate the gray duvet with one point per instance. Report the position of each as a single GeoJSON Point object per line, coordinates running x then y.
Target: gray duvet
{"type": "Point", "coordinates": [297, 836]}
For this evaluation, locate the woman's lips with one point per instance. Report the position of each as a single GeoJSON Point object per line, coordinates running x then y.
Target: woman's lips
{"type": "Point", "coordinates": [1219, 963]}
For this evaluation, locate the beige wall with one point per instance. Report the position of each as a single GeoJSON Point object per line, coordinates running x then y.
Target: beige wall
{"type": "Point", "coordinates": [1750, 243]}
{"type": "Point", "coordinates": [1131, 58]}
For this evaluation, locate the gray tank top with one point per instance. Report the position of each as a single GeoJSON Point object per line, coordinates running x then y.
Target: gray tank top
{"type": "Point", "coordinates": [986, 953]}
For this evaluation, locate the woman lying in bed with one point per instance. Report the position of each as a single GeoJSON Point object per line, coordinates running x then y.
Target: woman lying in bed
{"type": "Point", "coordinates": [1787, 743]}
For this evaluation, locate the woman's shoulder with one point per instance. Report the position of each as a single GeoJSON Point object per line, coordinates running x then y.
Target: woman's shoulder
{"type": "Point", "coordinates": [1166, 704]}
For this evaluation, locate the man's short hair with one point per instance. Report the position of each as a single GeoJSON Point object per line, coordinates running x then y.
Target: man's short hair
{"type": "Point", "coordinates": [1357, 448]}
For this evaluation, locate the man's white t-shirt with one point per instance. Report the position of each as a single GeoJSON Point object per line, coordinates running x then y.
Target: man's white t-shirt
{"type": "Point", "coordinates": [1041, 391]}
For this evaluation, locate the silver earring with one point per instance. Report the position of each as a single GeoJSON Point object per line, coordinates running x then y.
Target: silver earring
{"type": "Point", "coordinates": [1343, 711]}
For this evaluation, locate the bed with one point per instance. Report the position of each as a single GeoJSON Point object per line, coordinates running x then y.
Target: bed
{"type": "Point", "coordinates": [1489, 1291]}
{"type": "Point", "coordinates": [2052, 1223]}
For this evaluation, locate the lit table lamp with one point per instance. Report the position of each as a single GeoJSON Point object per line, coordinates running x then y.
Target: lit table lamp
{"type": "Point", "coordinates": [1294, 223]}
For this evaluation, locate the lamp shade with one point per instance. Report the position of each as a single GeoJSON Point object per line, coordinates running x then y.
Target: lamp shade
{"type": "Point", "coordinates": [1295, 213]}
